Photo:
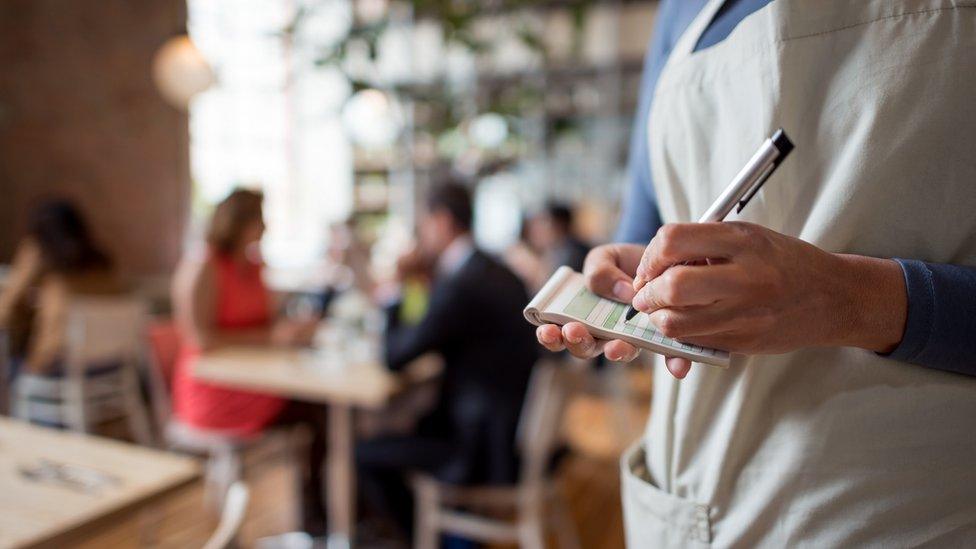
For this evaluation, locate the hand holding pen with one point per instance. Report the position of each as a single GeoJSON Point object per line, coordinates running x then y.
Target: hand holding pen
{"type": "Point", "coordinates": [764, 293]}
{"type": "Point", "coordinates": [740, 191]}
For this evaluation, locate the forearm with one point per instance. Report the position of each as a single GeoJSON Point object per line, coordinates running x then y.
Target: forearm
{"type": "Point", "coordinates": [44, 352]}
{"type": "Point", "coordinates": [870, 303]}
{"type": "Point", "coordinates": [404, 343]}
{"type": "Point", "coordinates": [908, 310]}
{"type": "Point", "coordinates": [24, 272]}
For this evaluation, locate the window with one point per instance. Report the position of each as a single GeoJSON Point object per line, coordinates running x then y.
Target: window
{"type": "Point", "coordinates": [272, 120]}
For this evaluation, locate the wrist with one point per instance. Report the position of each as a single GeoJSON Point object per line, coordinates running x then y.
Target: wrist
{"type": "Point", "coordinates": [874, 303]}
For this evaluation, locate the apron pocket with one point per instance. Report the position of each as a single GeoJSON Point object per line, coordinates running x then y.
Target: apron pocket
{"type": "Point", "coordinates": [653, 517]}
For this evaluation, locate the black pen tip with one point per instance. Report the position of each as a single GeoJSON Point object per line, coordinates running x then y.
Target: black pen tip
{"type": "Point", "coordinates": [631, 313]}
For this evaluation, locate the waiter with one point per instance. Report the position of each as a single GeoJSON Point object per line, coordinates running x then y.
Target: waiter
{"type": "Point", "coordinates": [846, 289]}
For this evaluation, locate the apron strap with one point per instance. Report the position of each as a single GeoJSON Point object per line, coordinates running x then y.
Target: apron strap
{"type": "Point", "coordinates": [689, 39]}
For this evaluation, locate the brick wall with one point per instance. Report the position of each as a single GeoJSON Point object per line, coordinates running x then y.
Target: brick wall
{"type": "Point", "coordinates": [80, 117]}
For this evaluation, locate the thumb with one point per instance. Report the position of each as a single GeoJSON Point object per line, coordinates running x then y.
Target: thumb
{"type": "Point", "coordinates": [604, 275]}
{"type": "Point", "coordinates": [610, 282]}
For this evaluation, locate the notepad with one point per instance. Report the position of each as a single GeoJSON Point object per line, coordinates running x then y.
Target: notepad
{"type": "Point", "coordinates": [565, 298]}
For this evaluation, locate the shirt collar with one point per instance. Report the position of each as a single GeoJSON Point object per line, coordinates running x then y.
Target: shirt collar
{"type": "Point", "coordinates": [456, 255]}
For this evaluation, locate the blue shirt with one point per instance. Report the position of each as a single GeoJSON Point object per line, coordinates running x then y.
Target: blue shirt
{"type": "Point", "coordinates": [940, 331]}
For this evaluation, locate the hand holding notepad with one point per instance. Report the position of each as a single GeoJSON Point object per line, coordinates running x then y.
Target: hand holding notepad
{"type": "Point", "coordinates": [565, 298]}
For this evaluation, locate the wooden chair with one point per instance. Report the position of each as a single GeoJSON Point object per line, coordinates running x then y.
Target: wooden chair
{"type": "Point", "coordinates": [537, 500]}
{"type": "Point", "coordinates": [231, 518]}
{"type": "Point", "coordinates": [107, 333]}
{"type": "Point", "coordinates": [224, 451]}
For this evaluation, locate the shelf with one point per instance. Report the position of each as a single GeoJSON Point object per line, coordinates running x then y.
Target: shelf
{"type": "Point", "coordinates": [499, 7]}
{"type": "Point", "coordinates": [549, 76]}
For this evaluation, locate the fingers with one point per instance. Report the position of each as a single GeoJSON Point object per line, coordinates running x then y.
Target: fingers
{"type": "Point", "coordinates": [677, 243]}
{"type": "Point", "coordinates": [581, 344]}
{"type": "Point", "coordinates": [551, 337]}
{"type": "Point", "coordinates": [620, 351]}
{"type": "Point", "coordinates": [679, 367]}
{"type": "Point", "coordinates": [572, 336]}
{"type": "Point", "coordinates": [694, 321]}
{"type": "Point", "coordinates": [688, 285]}
{"type": "Point", "coordinates": [579, 341]}
{"type": "Point", "coordinates": [608, 271]}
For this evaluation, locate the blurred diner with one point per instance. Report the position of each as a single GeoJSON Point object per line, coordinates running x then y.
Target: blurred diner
{"type": "Point", "coordinates": [220, 299]}
{"type": "Point", "coordinates": [57, 263]}
{"type": "Point", "coordinates": [473, 319]}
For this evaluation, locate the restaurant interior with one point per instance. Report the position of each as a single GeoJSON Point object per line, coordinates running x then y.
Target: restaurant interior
{"type": "Point", "coordinates": [217, 301]}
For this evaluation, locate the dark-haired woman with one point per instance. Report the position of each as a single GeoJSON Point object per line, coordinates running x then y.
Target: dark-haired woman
{"type": "Point", "coordinates": [220, 299]}
{"type": "Point", "coordinates": [56, 262]}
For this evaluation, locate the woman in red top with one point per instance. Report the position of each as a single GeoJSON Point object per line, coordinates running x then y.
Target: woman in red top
{"type": "Point", "coordinates": [221, 299]}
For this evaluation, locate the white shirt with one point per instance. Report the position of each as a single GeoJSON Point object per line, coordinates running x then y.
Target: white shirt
{"type": "Point", "coordinates": [455, 255]}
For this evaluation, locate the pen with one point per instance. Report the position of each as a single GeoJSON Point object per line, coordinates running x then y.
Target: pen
{"type": "Point", "coordinates": [746, 183]}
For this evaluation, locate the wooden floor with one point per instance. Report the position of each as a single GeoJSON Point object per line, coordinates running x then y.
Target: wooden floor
{"type": "Point", "coordinates": [596, 431]}
{"type": "Point", "coordinates": [181, 522]}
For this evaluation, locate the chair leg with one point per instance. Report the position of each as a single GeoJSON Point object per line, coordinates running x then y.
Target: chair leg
{"type": "Point", "coordinates": [426, 530]}
{"type": "Point", "coordinates": [562, 521]}
{"type": "Point", "coordinates": [531, 521]}
{"type": "Point", "coordinates": [531, 532]}
{"type": "Point", "coordinates": [292, 454]}
{"type": "Point", "coordinates": [74, 407]}
{"type": "Point", "coordinates": [20, 407]}
{"type": "Point", "coordinates": [135, 409]}
{"type": "Point", "coordinates": [223, 469]}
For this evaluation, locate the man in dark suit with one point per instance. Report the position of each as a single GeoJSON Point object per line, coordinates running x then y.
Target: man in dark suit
{"type": "Point", "coordinates": [474, 320]}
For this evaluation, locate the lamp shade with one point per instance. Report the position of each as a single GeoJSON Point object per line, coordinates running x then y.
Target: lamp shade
{"type": "Point", "coordinates": [180, 71]}
{"type": "Point", "coordinates": [373, 118]}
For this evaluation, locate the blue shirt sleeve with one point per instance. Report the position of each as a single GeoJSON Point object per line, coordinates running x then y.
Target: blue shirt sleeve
{"type": "Point", "coordinates": [940, 331]}
{"type": "Point", "coordinates": [640, 218]}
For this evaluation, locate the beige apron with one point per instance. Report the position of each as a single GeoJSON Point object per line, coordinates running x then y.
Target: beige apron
{"type": "Point", "coordinates": [822, 447]}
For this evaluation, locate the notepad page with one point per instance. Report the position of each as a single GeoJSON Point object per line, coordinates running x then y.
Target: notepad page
{"type": "Point", "coordinates": [610, 315]}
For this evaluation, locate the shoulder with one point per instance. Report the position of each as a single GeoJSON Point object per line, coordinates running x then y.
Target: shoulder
{"type": "Point", "coordinates": [483, 268]}
{"type": "Point", "coordinates": [478, 265]}
{"type": "Point", "coordinates": [27, 258]}
{"type": "Point", "coordinates": [27, 251]}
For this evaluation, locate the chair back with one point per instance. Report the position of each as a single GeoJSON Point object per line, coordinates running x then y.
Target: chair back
{"type": "Point", "coordinates": [164, 338]}
{"type": "Point", "coordinates": [231, 517]}
{"type": "Point", "coordinates": [101, 330]}
{"type": "Point", "coordinates": [540, 423]}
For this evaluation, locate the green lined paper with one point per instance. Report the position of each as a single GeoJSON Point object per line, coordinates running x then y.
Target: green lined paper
{"type": "Point", "coordinates": [582, 304]}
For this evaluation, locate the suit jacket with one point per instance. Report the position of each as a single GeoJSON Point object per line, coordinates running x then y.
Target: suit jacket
{"type": "Point", "coordinates": [474, 320]}
{"type": "Point", "coordinates": [571, 252]}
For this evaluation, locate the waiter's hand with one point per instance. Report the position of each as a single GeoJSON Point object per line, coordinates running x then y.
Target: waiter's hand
{"type": "Point", "coordinates": [762, 292]}
{"type": "Point", "coordinates": [609, 272]}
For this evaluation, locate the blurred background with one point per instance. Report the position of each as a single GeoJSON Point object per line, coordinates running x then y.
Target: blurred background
{"type": "Point", "coordinates": [333, 108]}
{"type": "Point", "coordinates": [141, 117]}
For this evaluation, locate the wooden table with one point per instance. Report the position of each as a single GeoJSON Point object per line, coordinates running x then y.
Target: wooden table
{"type": "Point", "coordinates": [342, 383]}
{"type": "Point", "coordinates": [46, 513]}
